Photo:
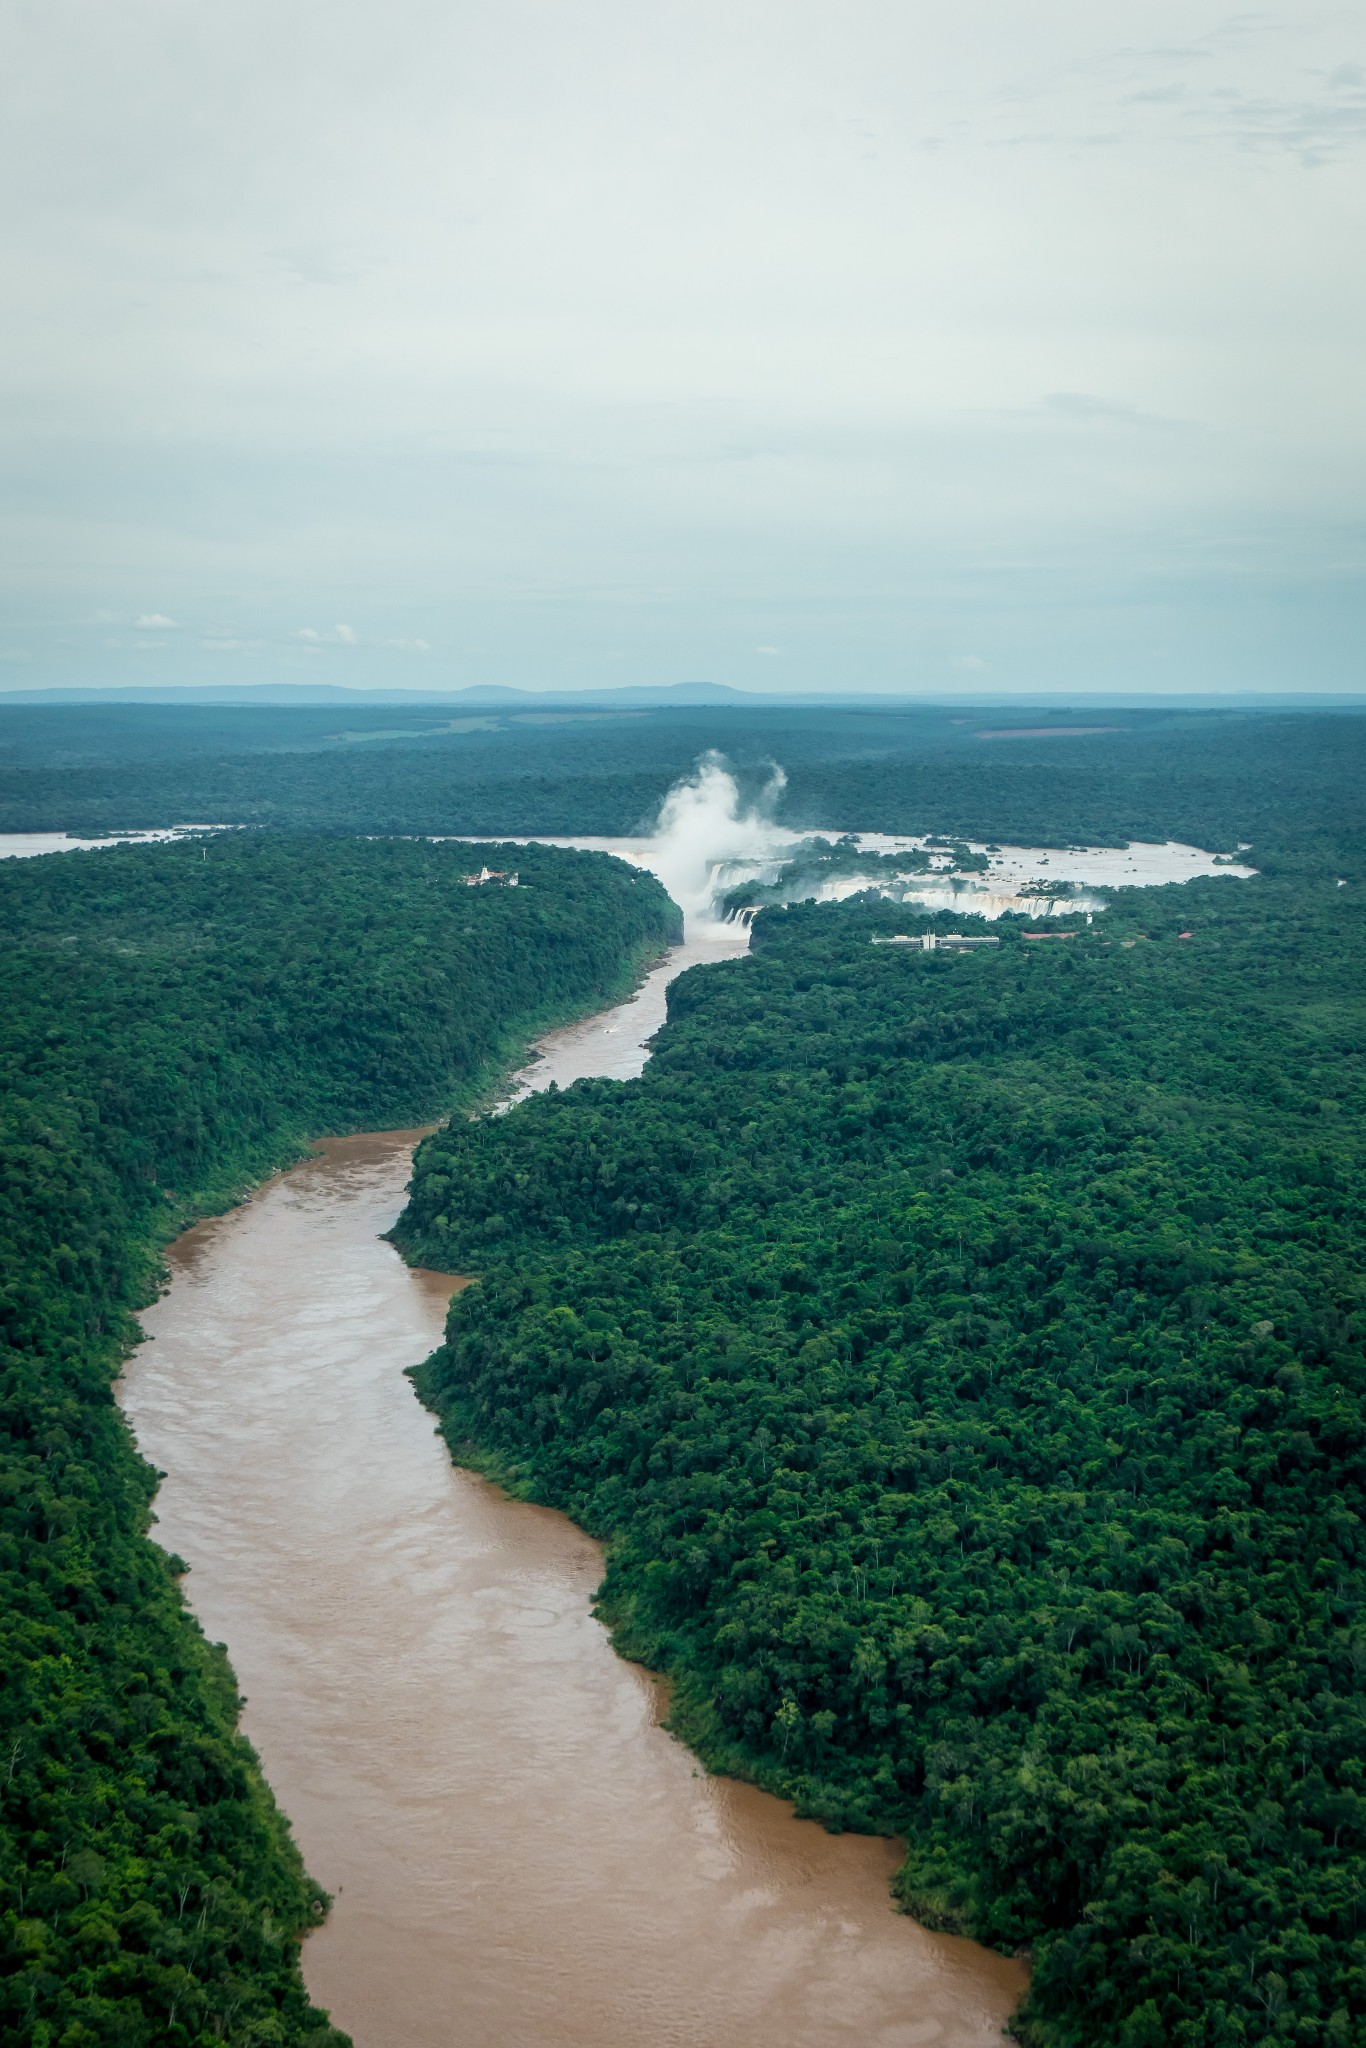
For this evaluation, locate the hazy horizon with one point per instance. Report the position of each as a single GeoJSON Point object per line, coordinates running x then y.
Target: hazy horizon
{"type": "Point", "coordinates": [662, 695]}
{"type": "Point", "coordinates": [804, 350]}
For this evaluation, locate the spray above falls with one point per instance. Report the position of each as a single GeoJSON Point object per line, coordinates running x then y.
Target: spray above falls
{"type": "Point", "coordinates": [708, 839]}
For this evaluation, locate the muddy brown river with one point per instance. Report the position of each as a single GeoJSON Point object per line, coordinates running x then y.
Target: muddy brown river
{"type": "Point", "coordinates": [521, 1856]}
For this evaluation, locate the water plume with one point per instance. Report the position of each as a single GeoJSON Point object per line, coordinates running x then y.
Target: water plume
{"type": "Point", "coordinates": [707, 838]}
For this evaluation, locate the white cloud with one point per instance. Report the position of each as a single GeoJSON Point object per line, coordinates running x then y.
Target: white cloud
{"type": "Point", "coordinates": [768, 650]}
{"type": "Point", "coordinates": [902, 328]}
{"type": "Point", "coordinates": [410, 646]}
{"type": "Point", "coordinates": [970, 662]}
{"type": "Point", "coordinates": [339, 636]}
{"type": "Point", "coordinates": [1084, 408]}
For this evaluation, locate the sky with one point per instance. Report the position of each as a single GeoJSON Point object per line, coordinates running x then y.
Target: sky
{"type": "Point", "coordinates": [798, 345]}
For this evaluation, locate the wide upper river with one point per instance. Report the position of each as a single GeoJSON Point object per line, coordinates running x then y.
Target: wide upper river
{"type": "Point", "coordinates": [521, 1856]}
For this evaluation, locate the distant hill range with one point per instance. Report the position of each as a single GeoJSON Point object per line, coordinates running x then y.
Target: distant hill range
{"type": "Point", "coordinates": [665, 696]}
{"type": "Point", "coordinates": [494, 695]}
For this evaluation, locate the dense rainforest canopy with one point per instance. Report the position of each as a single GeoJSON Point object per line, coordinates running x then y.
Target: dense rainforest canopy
{"type": "Point", "coordinates": [174, 1020]}
{"type": "Point", "coordinates": [962, 1357]}
{"type": "Point", "coordinates": [1211, 777]}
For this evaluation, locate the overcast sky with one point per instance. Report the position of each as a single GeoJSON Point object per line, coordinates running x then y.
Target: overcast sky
{"type": "Point", "coordinates": [879, 344]}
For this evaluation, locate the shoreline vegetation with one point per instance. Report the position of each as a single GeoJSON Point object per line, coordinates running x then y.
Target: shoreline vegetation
{"type": "Point", "coordinates": [961, 1362]}
{"type": "Point", "coordinates": [978, 1342]}
{"type": "Point", "coordinates": [179, 1021]}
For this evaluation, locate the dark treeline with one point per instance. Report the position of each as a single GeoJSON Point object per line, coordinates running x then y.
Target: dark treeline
{"type": "Point", "coordinates": [962, 1359]}
{"type": "Point", "coordinates": [1293, 788]}
{"type": "Point", "coordinates": [175, 1020]}
{"type": "Point", "coordinates": [484, 743]}
{"type": "Point", "coordinates": [1212, 777]}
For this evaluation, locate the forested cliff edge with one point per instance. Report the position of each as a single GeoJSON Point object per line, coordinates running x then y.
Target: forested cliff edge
{"type": "Point", "coordinates": [961, 1357]}
{"type": "Point", "coordinates": [178, 1020]}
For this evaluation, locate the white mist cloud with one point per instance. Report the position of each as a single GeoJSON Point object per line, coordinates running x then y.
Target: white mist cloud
{"type": "Point", "coordinates": [707, 839]}
{"type": "Point", "coordinates": [157, 619]}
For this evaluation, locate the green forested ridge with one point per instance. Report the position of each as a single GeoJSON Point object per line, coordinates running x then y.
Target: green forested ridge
{"type": "Point", "coordinates": [174, 1020]}
{"type": "Point", "coordinates": [962, 1357]}
{"type": "Point", "coordinates": [1211, 776]}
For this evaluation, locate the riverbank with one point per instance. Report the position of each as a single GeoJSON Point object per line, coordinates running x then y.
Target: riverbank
{"type": "Point", "coordinates": [479, 1781]}
{"type": "Point", "coordinates": [956, 1355]}
{"type": "Point", "coordinates": [176, 1018]}
{"type": "Point", "coordinates": [517, 1852]}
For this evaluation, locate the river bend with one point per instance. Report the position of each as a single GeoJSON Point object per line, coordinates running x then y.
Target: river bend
{"type": "Point", "coordinates": [521, 1857]}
